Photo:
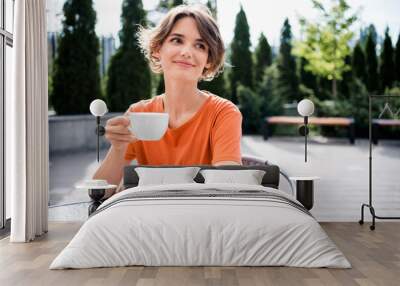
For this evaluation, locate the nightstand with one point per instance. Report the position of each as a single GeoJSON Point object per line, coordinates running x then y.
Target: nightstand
{"type": "Point", "coordinates": [96, 193]}
{"type": "Point", "coordinates": [305, 190]}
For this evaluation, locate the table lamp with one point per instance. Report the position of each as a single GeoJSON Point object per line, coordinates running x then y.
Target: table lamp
{"type": "Point", "coordinates": [305, 108]}
{"type": "Point", "coordinates": [98, 108]}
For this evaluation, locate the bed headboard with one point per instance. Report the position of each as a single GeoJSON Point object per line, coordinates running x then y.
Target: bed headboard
{"type": "Point", "coordinates": [270, 179]}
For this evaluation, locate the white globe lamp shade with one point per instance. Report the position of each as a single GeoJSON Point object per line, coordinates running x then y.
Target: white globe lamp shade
{"type": "Point", "coordinates": [98, 107]}
{"type": "Point", "coordinates": [305, 107]}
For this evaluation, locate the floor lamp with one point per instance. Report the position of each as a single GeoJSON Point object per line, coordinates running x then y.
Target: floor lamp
{"type": "Point", "coordinates": [305, 109]}
{"type": "Point", "coordinates": [98, 108]}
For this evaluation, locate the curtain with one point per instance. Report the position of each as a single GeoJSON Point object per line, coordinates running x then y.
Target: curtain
{"type": "Point", "coordinates": [27, 124]}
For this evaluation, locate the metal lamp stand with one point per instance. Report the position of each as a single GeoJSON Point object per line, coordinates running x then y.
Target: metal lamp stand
{"type": "Point", "coordinates": [303, 130]}
{"type": "Point", "coordinates": [100, 131]}
{"type": "Point", "coordinates": [370, 206]}
{"type": "Point", "coordinates": [97, 194]}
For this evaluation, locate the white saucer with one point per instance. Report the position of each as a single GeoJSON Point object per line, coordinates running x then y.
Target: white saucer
{"type": "Point", "coordinates": [95, 187]}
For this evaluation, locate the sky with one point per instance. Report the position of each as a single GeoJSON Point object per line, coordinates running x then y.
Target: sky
{"type": "Point", "coordinates": [265, 16]}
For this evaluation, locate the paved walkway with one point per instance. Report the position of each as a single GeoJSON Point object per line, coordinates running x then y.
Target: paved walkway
{"type": "Point", "coordinates": [343, 169]}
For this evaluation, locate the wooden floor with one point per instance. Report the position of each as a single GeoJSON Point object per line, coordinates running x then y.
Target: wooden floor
{"type": "Point", "coordinates": [374, 255]}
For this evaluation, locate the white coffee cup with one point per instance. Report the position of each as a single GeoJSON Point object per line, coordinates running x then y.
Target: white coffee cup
{"type": "Point", "coordinates": [148, 126]}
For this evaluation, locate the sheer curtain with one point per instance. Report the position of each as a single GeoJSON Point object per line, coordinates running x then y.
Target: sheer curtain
{"type": "Point", "coordinates": [27, 124]}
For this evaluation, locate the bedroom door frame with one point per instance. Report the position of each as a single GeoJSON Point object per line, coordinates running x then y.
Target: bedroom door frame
{"type": "Point", "coordinates": [6, 39]}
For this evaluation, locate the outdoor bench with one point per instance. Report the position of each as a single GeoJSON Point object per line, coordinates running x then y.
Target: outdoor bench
{"type": "Point", "coordinates": [297, 120]}
{"type": "Point", "coordinates": [376, 123]}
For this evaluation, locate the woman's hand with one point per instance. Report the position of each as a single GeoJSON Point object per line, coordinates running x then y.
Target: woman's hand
{"type": "Point", "coordinates": [118, 133]}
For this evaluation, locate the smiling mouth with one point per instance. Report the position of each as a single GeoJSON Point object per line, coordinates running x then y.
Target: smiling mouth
{"type": "Point", "coordinates": [182, 64]}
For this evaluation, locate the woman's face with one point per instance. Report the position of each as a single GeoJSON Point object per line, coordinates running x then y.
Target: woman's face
{"type": "Point", "coordinates": [183, 54]}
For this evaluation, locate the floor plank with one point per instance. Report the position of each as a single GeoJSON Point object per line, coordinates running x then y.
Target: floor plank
{"type": "Point", "coordinates": [374, 255]}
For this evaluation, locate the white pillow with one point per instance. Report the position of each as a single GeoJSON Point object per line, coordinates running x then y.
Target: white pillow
{"type": "Point", "coordinates": [248, 177]}
{"type": "Point", "coordinates": [164, 176]}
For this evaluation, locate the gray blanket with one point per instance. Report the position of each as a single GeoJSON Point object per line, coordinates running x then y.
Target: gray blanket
{"type": "Point", "coordinates": [205, 194]}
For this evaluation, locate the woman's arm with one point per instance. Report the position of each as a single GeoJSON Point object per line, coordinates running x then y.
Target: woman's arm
{"type": "Point", "coordinates": [112, 168]}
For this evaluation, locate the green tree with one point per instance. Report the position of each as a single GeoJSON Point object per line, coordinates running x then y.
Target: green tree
{"type": "Point", "coordinates": [177, 2]}
{"type": "Point", "coordinates": [347, 77]}
{"type": "Point", "coordinates": [250, 107]}
{"type": "Point", "coordinates": [263, 57]}
{"type": "Point", "coordinates": [364, 32]}
{"type": "Point", "coordinates": [160, 85]}
{"type": "Point", "coordinates": [397, 60]}
{"type": "Point", "coordinates": [326, 44]}
{"type": "Point", "coordinates": [76, 78]}
{"type": "Point", "coordinates": [164, 5]}
{"type": "Point", "coordinates": [358, 98]}
{"type": "Point", "coordinates": [372, 82]}
{"type": "Point", "coordinates": [287, 76]}
{"type": "Point", "coordinates": [307, 78]}
{"type": "Point", "coordinates": [241, 60]}
{"type": "Point", "coordinates": [216, 86]}
{"type": "Point", "coordinates": [271, 101]}
{"type": "Point", "coordinates": [212, 5]}
{"type": "Point", "coordinates": [129, 78]}
{"type": "Point", "coordinates": [358, 62]}
{"type": "Point", "coordinates": [387, 68]}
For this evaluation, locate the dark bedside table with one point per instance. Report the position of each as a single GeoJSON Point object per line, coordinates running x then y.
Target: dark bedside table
{"type": "Point", "coordinates": [96, 193]}
{"type": "Point", "coordinates": [305, 190]}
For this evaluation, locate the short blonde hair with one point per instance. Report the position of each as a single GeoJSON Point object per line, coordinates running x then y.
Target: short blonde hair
{"type": "Point", "coordinates": [151, 40]}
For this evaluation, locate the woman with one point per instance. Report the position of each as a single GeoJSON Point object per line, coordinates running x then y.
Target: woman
{"type": "Point", "coordinates": [203, 128]}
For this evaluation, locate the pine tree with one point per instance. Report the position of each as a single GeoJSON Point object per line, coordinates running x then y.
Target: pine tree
{"type": "Point", "coordinates": [76, 78]}
{"type": "Point", "coordinates": [358, 63]}
{"type": "Point", "coordinates": [347, 77]}
{"type": "Point", "coordinates": [177, 2]}
{"type": "Point", "coordinates": [397, 60]}
{"type": "Point", "coordinates": [287, 79]}
{"type": "Point", "coordinates": [164, 5]}
{"type": "Point", "coordinates": [160, 85]}
{"type": "Point", "coordinates": [129, 78]}
{"type": "Point", "coordinates": [263, 58]}
{"type": "Point", "coordinates": [307, 78]}
{"type": "Point", "coordinates": [364, 35]}
{"type": "Point", "coordinates": [216, 86]}
{"type": "Point", "coordinates": [250, 107]}
{"type": "Point", "coordinates": [241, 60]}
{"type": "Point", "coordinates": [271, 101]}
{"type": "Point", "coordinates": [212, 5]}
{"type": "Point", "coordinates": [372, 82]}
{"type": "Point", "coordinates": [387, 68]}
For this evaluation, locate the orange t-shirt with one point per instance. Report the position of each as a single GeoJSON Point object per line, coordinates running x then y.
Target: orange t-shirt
{"type": "Point", "coordinates": [211, 135]}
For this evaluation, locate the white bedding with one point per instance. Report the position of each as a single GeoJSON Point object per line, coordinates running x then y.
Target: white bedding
{"type": "Point", "coordinates": [183, 231]}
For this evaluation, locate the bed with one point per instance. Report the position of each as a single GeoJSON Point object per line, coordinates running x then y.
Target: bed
{"type": "Point", "coordinates": [202, 223]}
